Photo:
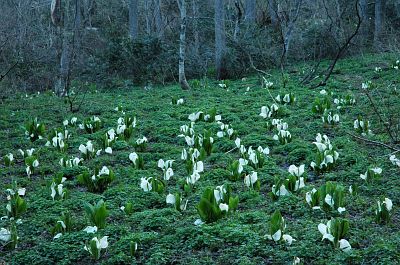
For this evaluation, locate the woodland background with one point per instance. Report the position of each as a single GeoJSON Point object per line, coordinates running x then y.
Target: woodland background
{"type": "Point", "coordinates": [101, 41]}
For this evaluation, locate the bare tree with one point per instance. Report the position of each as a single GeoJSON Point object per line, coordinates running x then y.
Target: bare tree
{"type": "Point", "coordinates": [59, 16]}
{"type": "Point", "coordinates": [69, 27]}
{"type": "Point", "coordinates": [2, 76]}
{"type": "Point", "coordinates": [272, 12]}
{"type": "Point", "coordinates": [365, 21]}
{"type": "Point", "coordinates": [147, 13]}
{"type": "Point", "coordinates": [195, 10]}
{"type": "Point", "coordinates": [379, 22]}
{"type": "Point", "coordinates": [133, 19]}
{"type": "Point", "coordinates": [250, 11]}
{"type": "Point", "coordinates": [287, 21]}
{"type": "Point", "coordinates": [238, 19]}
{"type": "Point", "coordinates": [220, 39]}
{"type": "Point", "coordinates": [158, 18]}
{"type": "Point", "coordinates": [341, 49]}
{"type": "Point", "coordinates": [182, 45]}
{"type": "Point", "coordinates": [89, 11]}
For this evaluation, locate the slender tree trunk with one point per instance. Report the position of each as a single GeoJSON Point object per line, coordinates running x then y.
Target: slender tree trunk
{"type": "Point", "coordinates": [238, 20]}
{"type": "Point", "coordinates": [61, 82]}
{"type": "Point", "coordinates": [272, 11]}
{"type": "Point", "coordinates": [220, 39]}
{"type": "Point", "coordinates": [379, 23]}
{"type": "Point", "coordinates": [147, 12]}
{"type": "Point", "coordinates": [289, 31]}
{"type": "Point", "coordinates": [70, 32]}
{"type": "Point", "coordinates": [133, 19]}
{"type": "Point", "coordinates": [182, 45]}
{"type": "Point", "coordinates": [397, 9]}
{"type": "Point", "coordinates": [60, 17]}
{"type": "Point", "coordinates": [89, 10]}
{"type": "Point", "coordinates": [158, 18]}
{"type": "Point", "coordinates": [250, 11]}
{"type": "Point", "coordinates": [365, 21]}
{"type": "Point", "coordinates": [195, 9]}
{"type": "Point", "coordinates": [78, 23]}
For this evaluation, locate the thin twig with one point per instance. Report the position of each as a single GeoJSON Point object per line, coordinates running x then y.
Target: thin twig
{"type": "Point", "coordinates": [341, 50]}
{"type": "Point", "coordinates": [375, 108]}
{"type": "Point", "coordinates": [269, 92]}
{"type": "Point", "coordinates": [375, 142]}
{"type": "Point", "coordinates": [231, 150]}
{"type": "Point", "coordinates": [254, 67]}
{"type": "Point", "coordinates": [2, 76]}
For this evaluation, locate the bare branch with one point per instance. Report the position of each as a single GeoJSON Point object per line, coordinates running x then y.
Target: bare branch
{"type": "Point", "coordinates": [375, 142]}
{"type": "Point", "coordinates": [342, 49]}
{"type": "Point", "coordinates": [375, 108]}
{"type": "Point", "coordinates": [8, 71]}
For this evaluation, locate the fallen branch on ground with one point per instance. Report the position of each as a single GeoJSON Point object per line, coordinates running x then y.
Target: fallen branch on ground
{"type": "Point", "coordinates": [375, 142]}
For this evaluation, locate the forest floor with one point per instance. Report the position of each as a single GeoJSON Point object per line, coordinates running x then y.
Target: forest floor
{"type": "Point", "coordinates": [167, 236]}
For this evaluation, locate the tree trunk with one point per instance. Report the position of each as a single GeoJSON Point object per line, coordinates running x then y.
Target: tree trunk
{"type": "Point", "coordinates": [397, 8]}
{"type": "Point", "coordinates": [89, 11]}
{"type": "Point", "coordinates": [133, 19]}
{"type": "Point", "coordinates": [238, 20]}
{"type": "Point", "coordinates": [147, 16]}
{"type": "Point", "coordinates": [292, 22]}
{"type": "Point", "coordinates": [62, 82]}
{"type": "Point", "coordinates": [62, 18]}
{"type": "Point", "coordinates": [250, 11]}
{"type": "Point", "coordinates": [78, 23]}
{"type": "Point", "coordinates": [182, 45]}
{"type": "Point", "coordinates": [195, 9]}
{"type": "Point", "coordinates": [70, 32]}
{"type": "Point", "coordinates": [220, 40]}
{"type": "Point", "coordinates": [365, 21]}
{"type": "Point", "coordinates": [272, 11]}
{"type": "Point", "coordinates": [158, 18]}
{"type": "Point", "coordinates": [379, 23]}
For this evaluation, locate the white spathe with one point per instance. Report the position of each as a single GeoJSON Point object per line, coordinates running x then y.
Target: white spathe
{"type": "Point", "coordinates": [145, 184]}
{"type": "Point", "coordinates": [90, 229]}
{"type": "Point", "coordinates": [170, 199]}
{"type": "Point", "coordinates": [344, 245]}
{"type": "Point", "coordinates": [223, 207]}
{"type": "Point", "coordinates": [296, 171]}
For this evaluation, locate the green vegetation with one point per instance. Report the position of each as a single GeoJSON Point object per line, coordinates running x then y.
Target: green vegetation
{"type": "Point", "coordinates": [138, 227]}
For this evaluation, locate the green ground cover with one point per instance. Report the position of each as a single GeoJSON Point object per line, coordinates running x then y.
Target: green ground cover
{"type": "Point", "coordinates": [167, 236]}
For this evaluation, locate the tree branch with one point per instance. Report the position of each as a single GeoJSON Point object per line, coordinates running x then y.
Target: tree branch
{"type": "Point", "coordinates": [340, 52]}
{"type": "Point", "coordinates": [9, 69]}
{"type": "Point", "coordinates": [375, 142]}
{"type": "Point", "coordinates": [375, 108]}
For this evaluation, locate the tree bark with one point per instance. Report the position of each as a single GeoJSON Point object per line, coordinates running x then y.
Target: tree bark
{"type": "Point", "coordinates": [341, 49]}
{"type": "Point", "coordinates": [272, 12]}
{"type": "Point", "coordinates": [195, 9]}
{"type": "Point", "coordinates": [55, 12]}
{"type": "Point", "coordinates": [289, 31]}
{"type": "Point", "coordinates": [220, 39]}
{"type": "Point", "coordinates": [365, 21]}
{"type": "Point", "coordinates": [65, 41]}
{"type": "Point", "coordinates": [70, 32]}
{"type": "Point", "coordinates": [147, 12]}
{"type": "Point", "coordinates": [89, 11]}
{"type": "Point", "coordinates": [250, 11]}
{"type": "Point", "coordinates": [238, 20]}
{"type": "Point", "coordinates": [379, 23]}
{"type": "Point", "coordinates": [158, 18]}
{"type": "Point", "coordinates": [182, 45]}
{"type": "Point", "coordinates": [133, 19]}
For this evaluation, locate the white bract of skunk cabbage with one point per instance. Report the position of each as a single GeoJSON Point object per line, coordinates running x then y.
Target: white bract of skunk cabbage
{"type": "Point", "coordinates": [145, 184]}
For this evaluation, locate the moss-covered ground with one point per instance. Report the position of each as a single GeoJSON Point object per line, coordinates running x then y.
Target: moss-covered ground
{"type": "Point", "coordinates": [166, 236]}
